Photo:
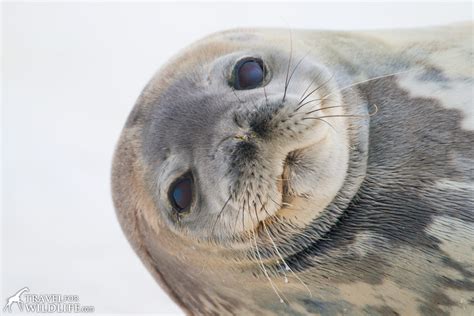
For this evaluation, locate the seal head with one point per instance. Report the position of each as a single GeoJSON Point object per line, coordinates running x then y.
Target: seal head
{"type": "Point", "coordinates": [244, 164]}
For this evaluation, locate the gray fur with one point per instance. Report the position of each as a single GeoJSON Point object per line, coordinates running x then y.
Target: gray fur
{"type": "Point", "coordinates": [395, 238]}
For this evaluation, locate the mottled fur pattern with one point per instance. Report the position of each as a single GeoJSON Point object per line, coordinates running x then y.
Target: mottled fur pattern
{"type": "Point", "coordinates": [368, 213]}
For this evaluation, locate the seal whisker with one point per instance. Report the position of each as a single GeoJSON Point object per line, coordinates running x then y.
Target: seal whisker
{"type": "Point", "coordinates": [343, 115]}
{"type": "Point", "coordinates": [322, 119]}
{"type": "Point", "coordinates": [243, 216]}
{"type": "Point", "coordinates": [274, 217]}
{"type": "Point", "coordinates": [287, 267]}
{"type": "Point", "coordinates": [220, 213]}
{"type": "Point", "coordinates": [368, 80]}
{"type": "Point", "coordinates": [314, 100]}
{"type": "Point", "coordinates": [236, 220]}
{"type": "Point", "coordinates": [296, 67]}
{"type": "Point", "coordinates": [310, 84]}
{"type": "Point", "coordinates": [337, 115]}
{"type": "Point", "coordinates": [235, 93]}
{"type": "Point", "coordinates": [316, 89]}
{"type": "Point", "coordinates": [289, 64]}
{"type": "Point", "coordinates": [278, 204]}
{"type": "Point", "coordinates": [248, 204]}
{"type": "Point", "coordinates": [325, 108]}
{"type": "Point", "coordinates": [277, 219]}
{"type": "Point", "coordinates": [276, 249]}
{"type": "Point", "coordinates": [313, 91]}
{"type": "Point", "coordinates": [274, 287]}
{"type": "Point", "coordinates": [264, 270]}
{"type": "Point", "coordinates": [263, 223]}
{"type": "Point", "coordinates": [241, 102]}
{"type": "Point", "coordinates": [254, 104]}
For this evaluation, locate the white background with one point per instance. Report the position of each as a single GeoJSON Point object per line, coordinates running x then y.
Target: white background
{"type": "Point", "coordinates": [71, 73]}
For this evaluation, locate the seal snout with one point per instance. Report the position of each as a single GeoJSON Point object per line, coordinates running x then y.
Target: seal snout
{"type": "Point", "coordinates": [262, 155]}
{"type": "Point", "coordinates": [282, 124]}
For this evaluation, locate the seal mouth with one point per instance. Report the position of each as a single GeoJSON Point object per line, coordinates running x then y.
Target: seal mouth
{"type": "Point", "coordinates": [286, 190]}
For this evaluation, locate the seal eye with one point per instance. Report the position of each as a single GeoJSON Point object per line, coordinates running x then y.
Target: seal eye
{"type": "Point", "coordinates": [181, 194]}
{"type": "Point", "coordinates": [248, 74]}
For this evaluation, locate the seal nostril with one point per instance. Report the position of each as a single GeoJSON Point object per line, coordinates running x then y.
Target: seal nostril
{"type": "Point", "coordinates": [261, 125]}
{"type": "Point", "coordinates": [245, 150]}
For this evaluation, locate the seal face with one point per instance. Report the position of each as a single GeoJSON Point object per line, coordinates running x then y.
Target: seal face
{"type": "Point", "coordinates": [321, 176]}
{"type": "Point", "coordinates": [248, 142]}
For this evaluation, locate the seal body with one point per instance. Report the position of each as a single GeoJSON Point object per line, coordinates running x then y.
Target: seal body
{"type": "Point", "coordinates": [342, 183]}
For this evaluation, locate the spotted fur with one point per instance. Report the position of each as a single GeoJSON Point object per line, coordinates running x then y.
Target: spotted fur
{"type": "Point", "coordinates": [369, 213]}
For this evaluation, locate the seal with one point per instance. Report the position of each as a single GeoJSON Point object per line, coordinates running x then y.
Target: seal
{"type": "Point", "coordinates": [268, 171]}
